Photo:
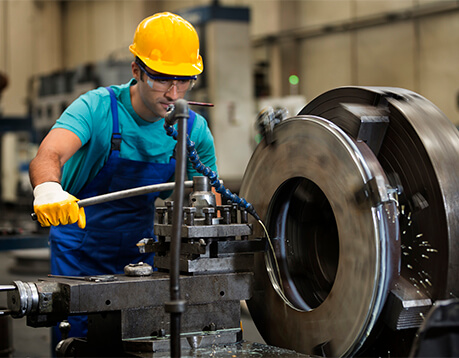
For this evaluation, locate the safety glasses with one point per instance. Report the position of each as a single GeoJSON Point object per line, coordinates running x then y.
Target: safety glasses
{"type": "Point", "coordinates": [165, 83]}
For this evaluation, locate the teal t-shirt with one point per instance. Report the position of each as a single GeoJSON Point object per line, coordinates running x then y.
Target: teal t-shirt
{"type": "Point", "coordinates": [90, 118]}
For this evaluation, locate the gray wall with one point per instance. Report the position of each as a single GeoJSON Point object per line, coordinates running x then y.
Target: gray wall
{"type": "Point", "coordinates": [409, 43]}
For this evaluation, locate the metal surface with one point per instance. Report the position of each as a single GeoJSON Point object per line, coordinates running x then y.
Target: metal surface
{"type": "Point", "coordinates": [209, 245]}
{"type": "Point", "coordinates": [23, 300]}
{"type": "Point", "coordinates": [130, 192]}
{"type": "Point", "coordinates": [203, 104]}
{"type": "Point", "coordinates": [128, 314]}
{"type": "Point", "coordinates": [201, 197]}
{"type": "Point", "coordinates": [199, 231]}
{"type": "Point", "coordinates": [97, 278]}
{"type": "Point", "coordinates": [202, 340]}
{"type": "Point", "coordinates": [238, 350]}
{"type": "Point", "coordinates": [421, 146]}
{"type": "Point", "coordinates": [406, 307]}
{"type": "Point", "coordinates": [209, 265]}
{"type": "Point", "coordinates": [176, 306]}
{"type": "Point", "coordinates": [85, 296]}
{"type": "Point", "coordinates": [323, 237]}
{"type": "Point", "coordinates": [138, 269]}
{"type": "Point", "coordinates": [123, 194]}
{"type": "Point", "coordinates": [131, 309]}
{"type": "Point", "coordinates": [359, 194]}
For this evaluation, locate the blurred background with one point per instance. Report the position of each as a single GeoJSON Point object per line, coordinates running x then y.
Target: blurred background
{"type": "Point", "coordinates": [256, 53]}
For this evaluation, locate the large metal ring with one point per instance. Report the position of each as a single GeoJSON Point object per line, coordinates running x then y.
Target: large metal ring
{"type": "Point", "coordinates": [24, 299]}
{"type": "Point", "coordinates": [336, 255]}
{"type": "Point", "coordinates": [330, 232]}
{"type": "Point", "coordinates": [421, 146]}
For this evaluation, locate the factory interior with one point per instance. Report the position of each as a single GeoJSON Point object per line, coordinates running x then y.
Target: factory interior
{"type": "Point", "coordinates": [335, 125]}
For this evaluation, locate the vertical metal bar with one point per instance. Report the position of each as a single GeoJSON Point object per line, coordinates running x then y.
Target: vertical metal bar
{"type": "Point", "coordinates": [176, 305]}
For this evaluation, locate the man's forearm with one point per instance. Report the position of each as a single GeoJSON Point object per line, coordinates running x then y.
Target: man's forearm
{"type": "Point", "coordinates": [44, 168]}
{"type": "Point", "coordinates": [57, 147]}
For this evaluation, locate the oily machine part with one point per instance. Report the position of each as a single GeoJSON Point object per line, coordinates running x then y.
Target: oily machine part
{"type": "Point", "coordinates": [359, 195]}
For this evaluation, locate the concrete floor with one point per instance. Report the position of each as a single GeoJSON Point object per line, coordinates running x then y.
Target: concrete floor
{"type": "Point", "coordinates": [36, 342]}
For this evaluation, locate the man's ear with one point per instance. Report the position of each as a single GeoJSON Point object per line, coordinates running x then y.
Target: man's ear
{"type": "Point", "coordinates": [136, 73]}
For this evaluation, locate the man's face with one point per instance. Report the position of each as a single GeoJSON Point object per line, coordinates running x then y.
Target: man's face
{"type": "Point", "coordinates": [157, 99]}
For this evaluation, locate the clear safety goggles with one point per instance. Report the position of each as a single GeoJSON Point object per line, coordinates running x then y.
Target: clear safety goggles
{"type": "Point", "coordinates": [165, 83]}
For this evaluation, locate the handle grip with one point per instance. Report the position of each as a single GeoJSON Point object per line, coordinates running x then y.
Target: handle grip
{"type": "Point", "coordinates": [122, 194]}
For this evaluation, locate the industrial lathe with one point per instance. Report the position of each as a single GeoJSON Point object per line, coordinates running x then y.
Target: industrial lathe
{"type": "Point", "coordinates": [355, 253]}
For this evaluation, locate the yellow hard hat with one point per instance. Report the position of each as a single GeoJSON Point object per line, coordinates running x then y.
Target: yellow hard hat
{"type": "Point", "coordinates": [168, 44]}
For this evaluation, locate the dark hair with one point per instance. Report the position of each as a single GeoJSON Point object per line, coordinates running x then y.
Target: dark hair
{"type": "Point", "coordinates": [140, 62]}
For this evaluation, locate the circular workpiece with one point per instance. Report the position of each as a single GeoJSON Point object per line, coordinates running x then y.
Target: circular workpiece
{"type": "Point", "coordinates": [421, 148]}
{"type": "Point", "coordinates": [352, 191]}
{"type": "Point", "coordinates": [312, 187]}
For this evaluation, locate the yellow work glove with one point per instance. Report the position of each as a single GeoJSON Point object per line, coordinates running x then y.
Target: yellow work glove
{"type": "Point", "coordinates": [55, 206]}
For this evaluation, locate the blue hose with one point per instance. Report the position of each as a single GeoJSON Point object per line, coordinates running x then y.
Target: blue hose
{"type": "Point", "coordinates": [213, 178]}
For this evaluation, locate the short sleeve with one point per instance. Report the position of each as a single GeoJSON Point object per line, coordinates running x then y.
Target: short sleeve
{"type": "Point", "coordinates": [78, 118]}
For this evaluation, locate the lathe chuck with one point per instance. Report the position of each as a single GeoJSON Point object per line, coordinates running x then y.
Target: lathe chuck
{"type": "Point", "coordinates": [358, 193]}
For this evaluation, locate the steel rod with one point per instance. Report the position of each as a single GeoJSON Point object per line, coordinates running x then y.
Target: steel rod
{"type": "Point", "coordinates": [123, 194]}
{"type": "Point", "coordinates": [180, 172]}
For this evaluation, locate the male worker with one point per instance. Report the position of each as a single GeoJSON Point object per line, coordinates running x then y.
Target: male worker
{"type": "Point", "coordinates": [112, 139]}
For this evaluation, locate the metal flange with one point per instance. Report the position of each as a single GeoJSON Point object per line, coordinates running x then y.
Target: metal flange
{"type": "Point", "coordinates": [359, 194]}
{"type": "Point", "coordinates": [326, 284]}
{"type": "Point", "coordinates": [420, 146]}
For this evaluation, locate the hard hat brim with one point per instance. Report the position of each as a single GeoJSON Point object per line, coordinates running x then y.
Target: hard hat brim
{"type": "Point", "coordinates": [168, 68]}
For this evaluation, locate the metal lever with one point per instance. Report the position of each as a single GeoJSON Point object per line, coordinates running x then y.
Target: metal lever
{"type": "Point", "coordinates": [203, 104]}
{"type": "Point", "coordinates": [122, 194]}
{"type": "Point", "coordinates": [99, 278]}
{"type": "Point", "coordinates": [4, 312]}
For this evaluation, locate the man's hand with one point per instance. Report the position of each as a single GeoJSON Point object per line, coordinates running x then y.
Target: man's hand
{"type": "Point", "coordinates": [55, 206]}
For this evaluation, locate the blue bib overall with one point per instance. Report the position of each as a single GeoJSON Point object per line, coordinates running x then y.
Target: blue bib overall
{"type": "Point", "coordinates": [108, 243]}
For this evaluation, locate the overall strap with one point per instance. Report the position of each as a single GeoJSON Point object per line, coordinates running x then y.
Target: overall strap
{"type": "Point", "coordinates": [116, 135]}
{"type": "Point", "coordinates": [190, 121]}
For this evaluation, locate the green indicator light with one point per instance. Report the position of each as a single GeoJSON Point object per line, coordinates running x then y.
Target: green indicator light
{"type": "Point", "coordinates": [293, 79]}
